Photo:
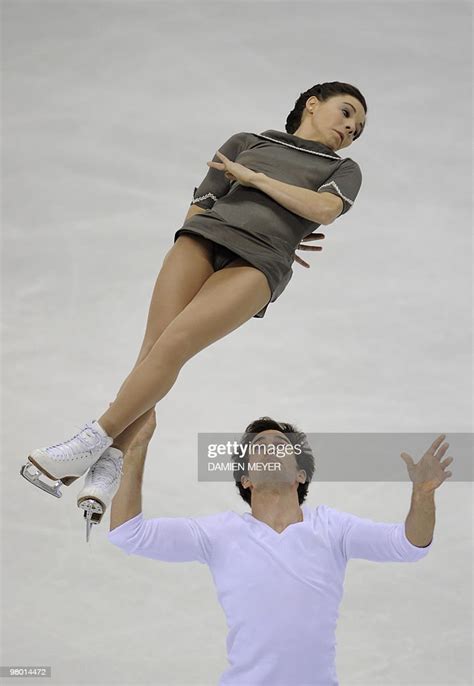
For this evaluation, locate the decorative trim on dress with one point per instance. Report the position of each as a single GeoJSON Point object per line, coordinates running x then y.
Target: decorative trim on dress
{"type": "Point", "coordinates": [333, 183]}
{"type": "Point", "coordinates": [296, 147]}
{"type": "Point", "coordinates": [204, 197]}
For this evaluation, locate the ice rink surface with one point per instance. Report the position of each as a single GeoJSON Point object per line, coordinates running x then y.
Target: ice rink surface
{"type": "Point", "coordinates": [110, 112]}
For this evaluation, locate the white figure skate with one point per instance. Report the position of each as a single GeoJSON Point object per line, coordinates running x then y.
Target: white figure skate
{"type": "Point", "coordinates": [67, 461]}
{"type": "Point", "coordinates": [101, 484]}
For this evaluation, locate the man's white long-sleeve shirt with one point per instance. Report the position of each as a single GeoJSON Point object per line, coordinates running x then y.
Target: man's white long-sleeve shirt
{"type": "Point", "coordinates": [280, 592]}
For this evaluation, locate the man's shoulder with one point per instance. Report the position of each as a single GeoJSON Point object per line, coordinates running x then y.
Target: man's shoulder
{"type": "Point", "coordinates": [325, 515]}
{"type": "Point", "coordinates": [218, 519]}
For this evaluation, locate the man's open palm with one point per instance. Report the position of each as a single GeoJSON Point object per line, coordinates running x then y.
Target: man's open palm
{"type": "Point", "coordinates": [429, 472]}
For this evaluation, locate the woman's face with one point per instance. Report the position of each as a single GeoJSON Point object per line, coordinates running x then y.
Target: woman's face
{"type": "Point", "coordinates": [335, 122]}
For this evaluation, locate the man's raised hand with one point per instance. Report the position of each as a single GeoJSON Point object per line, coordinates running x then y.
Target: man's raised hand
{"type": "Point", "coordinates": [429, 472]}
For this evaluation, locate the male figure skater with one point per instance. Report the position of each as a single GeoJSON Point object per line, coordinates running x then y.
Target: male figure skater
{"type": "Point", "coordinates": [278, 570]}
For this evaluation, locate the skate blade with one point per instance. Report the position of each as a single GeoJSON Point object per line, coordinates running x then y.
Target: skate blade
{"type": "Point", "coordinates": [93, 512]}
{"type": "Point", "coordinates": [33, 478]}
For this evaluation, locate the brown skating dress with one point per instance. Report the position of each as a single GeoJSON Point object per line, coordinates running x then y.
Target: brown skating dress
{"type": "Point", "coordinates": [247, 222]}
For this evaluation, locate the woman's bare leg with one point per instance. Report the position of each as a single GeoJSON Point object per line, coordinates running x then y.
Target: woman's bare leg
{"type": "Point", "coordinates": [185, 268]}
{"type": "Point", "coordinates": [227, 299]}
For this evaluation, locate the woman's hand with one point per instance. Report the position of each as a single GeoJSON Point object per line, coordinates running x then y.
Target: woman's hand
{"type": "Point", "coordinates": [310, 237]}
{"type": "Point", "coordinates": [234, 170]}
{"type": "Point", "coordinates": [428, 473]}
{"type": "Point", "coordinates": [237, 172]}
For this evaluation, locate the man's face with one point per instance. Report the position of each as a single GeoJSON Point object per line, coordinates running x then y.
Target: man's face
{"type": "Point", "coordinates": [341, 114]}
{"type": "Point", "coordinates": [272, 461]}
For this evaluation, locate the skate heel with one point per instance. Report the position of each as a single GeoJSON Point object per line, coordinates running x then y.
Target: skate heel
{"type": "Point", "coordinates": [93, 512]}
{"type": "Point", "coordinates": [101, 484]}
{"type": "Point", "coordinates": [68, 480]}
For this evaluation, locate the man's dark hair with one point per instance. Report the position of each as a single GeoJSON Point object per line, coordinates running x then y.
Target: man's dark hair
{"type": "Point", "coordinates": [323, 91]}
{"type": "Point", "coordinates": [304, 459]}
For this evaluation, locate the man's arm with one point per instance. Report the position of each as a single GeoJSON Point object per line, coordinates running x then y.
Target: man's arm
{"type": "Point", "coordinates": [170, 539]}
{"type": "Point", "coordinates": [427, 475]}
{"type": "Point", "coordinates": [420, 521]}
{"type": "Point", "coordinates": [361, 538]}
{"type": "Point", "coordinates": [127, 502]}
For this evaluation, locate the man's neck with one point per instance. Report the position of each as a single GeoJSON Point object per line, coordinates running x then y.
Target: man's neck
{"type": "Point", "coordinates": [278, 510]}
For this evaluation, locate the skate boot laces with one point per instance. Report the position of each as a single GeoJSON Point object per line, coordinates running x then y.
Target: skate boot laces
{"type": "Point", "coordinates": [105, 470]}
{"type": "Point", "coordinates": [67, 450]}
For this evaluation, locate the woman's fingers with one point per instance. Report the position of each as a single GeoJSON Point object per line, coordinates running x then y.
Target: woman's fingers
{"type": "Point", "coordinates": [314, 236]}
{"type": "Point", "coordinates": [302, 262]}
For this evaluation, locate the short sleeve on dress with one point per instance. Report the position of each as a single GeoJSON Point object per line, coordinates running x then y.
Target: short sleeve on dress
{"type": "Point", "coordinates": [215, 184]}
{"type": "Point", "coordinates": [345, 182]}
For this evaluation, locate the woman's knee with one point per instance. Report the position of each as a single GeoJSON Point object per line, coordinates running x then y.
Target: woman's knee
{"type": "Point", "coordinates": [146, 348]}
{"type": "Point", "coordinates": [171, 349]}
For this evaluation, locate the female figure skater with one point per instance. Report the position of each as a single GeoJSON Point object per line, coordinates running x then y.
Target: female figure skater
{"type": "Point", "coordinates": [262, 196]}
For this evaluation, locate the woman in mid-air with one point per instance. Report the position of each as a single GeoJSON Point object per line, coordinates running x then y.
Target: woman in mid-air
{"type": "Point", "coordinates": [263, 195]}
